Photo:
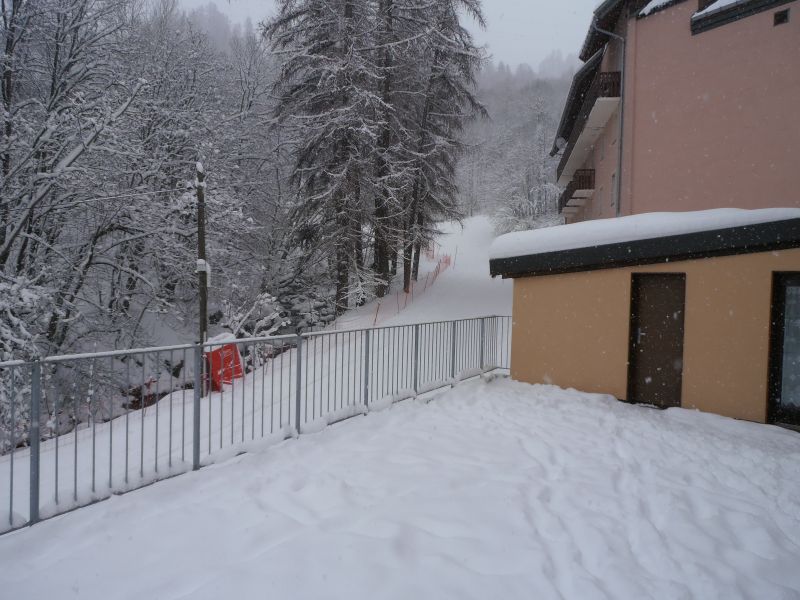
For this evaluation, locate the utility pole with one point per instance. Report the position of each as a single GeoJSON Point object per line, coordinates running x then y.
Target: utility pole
{"type": "Point", "coordinates": [202, 265]}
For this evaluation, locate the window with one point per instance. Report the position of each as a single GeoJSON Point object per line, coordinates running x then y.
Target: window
{"type": "Point", "coordinates": [782, 17]}
{"type": "Point", "coordinates": [784, 381]}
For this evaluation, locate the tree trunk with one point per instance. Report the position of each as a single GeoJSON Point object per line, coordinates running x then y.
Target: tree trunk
{"type": "Point", "coordinates": [381, 201]}
{"type": "Point", "coordinates": [342, 262]}
{"type": "Point", "coordinates": [417, 248]}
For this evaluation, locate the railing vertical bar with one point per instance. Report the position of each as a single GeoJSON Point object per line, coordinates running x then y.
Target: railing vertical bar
{"type": "Point", "coordinates": [328, 373]}
{"type": "Point", "coordinates": [208, 383]}
{"type": "Point", "coordinates": [392, 361]}
{"type": "Point", "coordinates": [184, 368]}
{"type": "Point", "coordinates": [142, 415]}
{"type": "Point", "coordinates": [313, 409]}
{"type": "Point", "coordinates": [299, 382]}
{"type": "Point", "coordinates": [57, 436]}
{"type": "Point", "coordinates": [350, 373]}
{"type": "Point", "coordinates": [263, 363]}
{"type": "Point", "coordinates": [35, 439]}
{"type": "Point", "coordinates": [233, 380]}
{"type": "Point", "coordinates": [156, 399]}
{"type": "Point", "coordinates": [93, 416]}
{"type": "Point", "coordinates": [402, 349]}
{"type": "Point", "coordinates": [198, 391]}
{"type": "Point", "coordinates": [335, 369]}
{"type": "Point", "coordinates": [233, 396]}
{"type": "Point", "coordinates": [319, 364]}
{"type": "Point", "coordinates": [75, 449]}
{"type": "Point", "coordinates": [171, 390]}
{"type": "Point", "coordinates": [127, 415]}
{"type": "Point", "coordinates": [13, 389]}
{"type": "Point", "coordinates": [280, 395]}
{"type": "Point", "coordinates": [415, 359]}
{"type": "Point", "coordinates": [272, 392]}
{"type": "Point", "coordinates": [253, 392]}
{"type": "Point", "coordinates": [365, 346]}
{"type": "Point", "coordinates": [289, 391]}
{"type": "Point", "coordinates": [385, 352]}
{"type": "Point", "coordinates": [483, 340]}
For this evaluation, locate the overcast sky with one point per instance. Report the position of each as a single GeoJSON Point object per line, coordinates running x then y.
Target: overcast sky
{"type": "Point", "coordinates": [518, 30]}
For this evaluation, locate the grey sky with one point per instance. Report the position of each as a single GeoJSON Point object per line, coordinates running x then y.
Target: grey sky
{"type": "Point", "coordinates": [519, 30]}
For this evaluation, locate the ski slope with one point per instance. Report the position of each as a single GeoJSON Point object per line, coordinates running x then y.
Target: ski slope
{"type": "Point", "coordinates": [463, 291]}
{"type": "Point", "coordinates": [493, 490]}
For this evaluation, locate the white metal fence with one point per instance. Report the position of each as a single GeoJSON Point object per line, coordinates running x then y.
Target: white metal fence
{"type": "Point", "coordinates": [77, 429]}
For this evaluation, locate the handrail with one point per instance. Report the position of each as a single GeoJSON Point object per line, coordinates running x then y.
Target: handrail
{"type": "Point", "coordinates": [250, 340]}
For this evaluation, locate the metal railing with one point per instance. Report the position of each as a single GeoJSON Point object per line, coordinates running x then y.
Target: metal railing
{"type": "Point", "coordinates": [582, 180]}
{"type": "Point", "coordinates": [78, 429]}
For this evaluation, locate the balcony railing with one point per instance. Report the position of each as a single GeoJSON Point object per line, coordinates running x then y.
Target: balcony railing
{"type": "Point", "coordinates": [605, 85]}
{"type": "Point", "coordinates": [583, 180]}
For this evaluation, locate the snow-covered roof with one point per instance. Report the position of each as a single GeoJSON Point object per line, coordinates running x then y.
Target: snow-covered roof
{"type": "Point", "coordinates": [588, 234]}
{"type": "Point", "coordinates": [652, 6]}
{"type": "Point", "coordinates": [715, 6]}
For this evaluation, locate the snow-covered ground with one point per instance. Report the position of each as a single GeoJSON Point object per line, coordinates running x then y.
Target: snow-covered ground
{"type": "Point", "coordinates": [463, 291]}
{"type": "Point", "coordinates": [492, 490]}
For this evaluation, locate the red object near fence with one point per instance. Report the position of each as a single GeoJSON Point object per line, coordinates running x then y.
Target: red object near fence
{"type": "Point", "coordinates": [224, 365]}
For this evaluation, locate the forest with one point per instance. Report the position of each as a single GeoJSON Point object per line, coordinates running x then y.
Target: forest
{"type": "Point", "coordinates": [332, 138]}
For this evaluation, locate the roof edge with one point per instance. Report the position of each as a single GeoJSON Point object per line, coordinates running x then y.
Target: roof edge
{"type": "Point", "coordinates": [591, 65]}
{"type": "Point", "coordinates": [734, 12]}
{"type": "Point", "coordinates": [742, 239]}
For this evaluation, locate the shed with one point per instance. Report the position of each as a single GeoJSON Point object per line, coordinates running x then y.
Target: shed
{"type": "Point", "coordinates": [697, 309]}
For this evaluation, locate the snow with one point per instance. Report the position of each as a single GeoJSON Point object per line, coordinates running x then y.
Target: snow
{"type": "Point", "coordinates": [599, 232]}
{"type": "Point", "coordinates": [716, 6]}
{"type": "Point", "coordinates": [463, 291]}
{"type": "Point", "coordinates": [652, 6]}
{"type": "Point", "coordinates": [139, 447]}
{"type": "Point", "coordinates": [493, 490]}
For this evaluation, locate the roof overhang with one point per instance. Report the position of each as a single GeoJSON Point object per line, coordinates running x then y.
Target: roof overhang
{"type": "Point", "coordinates": [581, 83]}
{"type": "Point", "coordinates": [745, 239]}
{"type": "Point", "coordinates": [605, 16]}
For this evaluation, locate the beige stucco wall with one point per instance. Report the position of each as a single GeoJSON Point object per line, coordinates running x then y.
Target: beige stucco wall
{"type": "Point", "coordinates": [571, 330]}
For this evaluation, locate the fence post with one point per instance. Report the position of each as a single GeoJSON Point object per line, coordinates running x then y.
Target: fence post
{"type": "Point", "coordinates": [366, 369]}
{"type": "Point", "coordinates": [35, 438]}
{"type": "Point", "coordinates": [416, 358]}
{"type": "Point", "coordinates": [298, 391]}
{"type": "Point", "coordinates": [198, 392]}
{"type": "Point", "coordinates": [483, 339]}
{"type": "Point", "coordinates": [453, 351]}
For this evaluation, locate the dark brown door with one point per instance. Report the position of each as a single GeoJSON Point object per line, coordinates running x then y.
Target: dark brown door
{"type": "Point", "coordinates": [656, 345]}
{"type": "Point", "coordinates": [784, 384]}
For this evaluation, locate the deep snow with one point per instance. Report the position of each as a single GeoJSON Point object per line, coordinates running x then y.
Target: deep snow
{"type": "Point", "coordinates": [492, 490]}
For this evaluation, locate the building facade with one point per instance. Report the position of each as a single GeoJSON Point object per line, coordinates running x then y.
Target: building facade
{"type": "Point", "coordinates": [701, 315]}
{"type": "Point", "coordinates": [702, 94]}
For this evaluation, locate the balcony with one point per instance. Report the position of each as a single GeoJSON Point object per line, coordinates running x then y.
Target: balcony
{"type": "Point", "coordinates": [599, 103]}
{"type": "Point", "coordinates": [577, 192]}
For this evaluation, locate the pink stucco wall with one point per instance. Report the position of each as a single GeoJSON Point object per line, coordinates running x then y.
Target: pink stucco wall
{"type": "Point", "coordinates": [711, 120]}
